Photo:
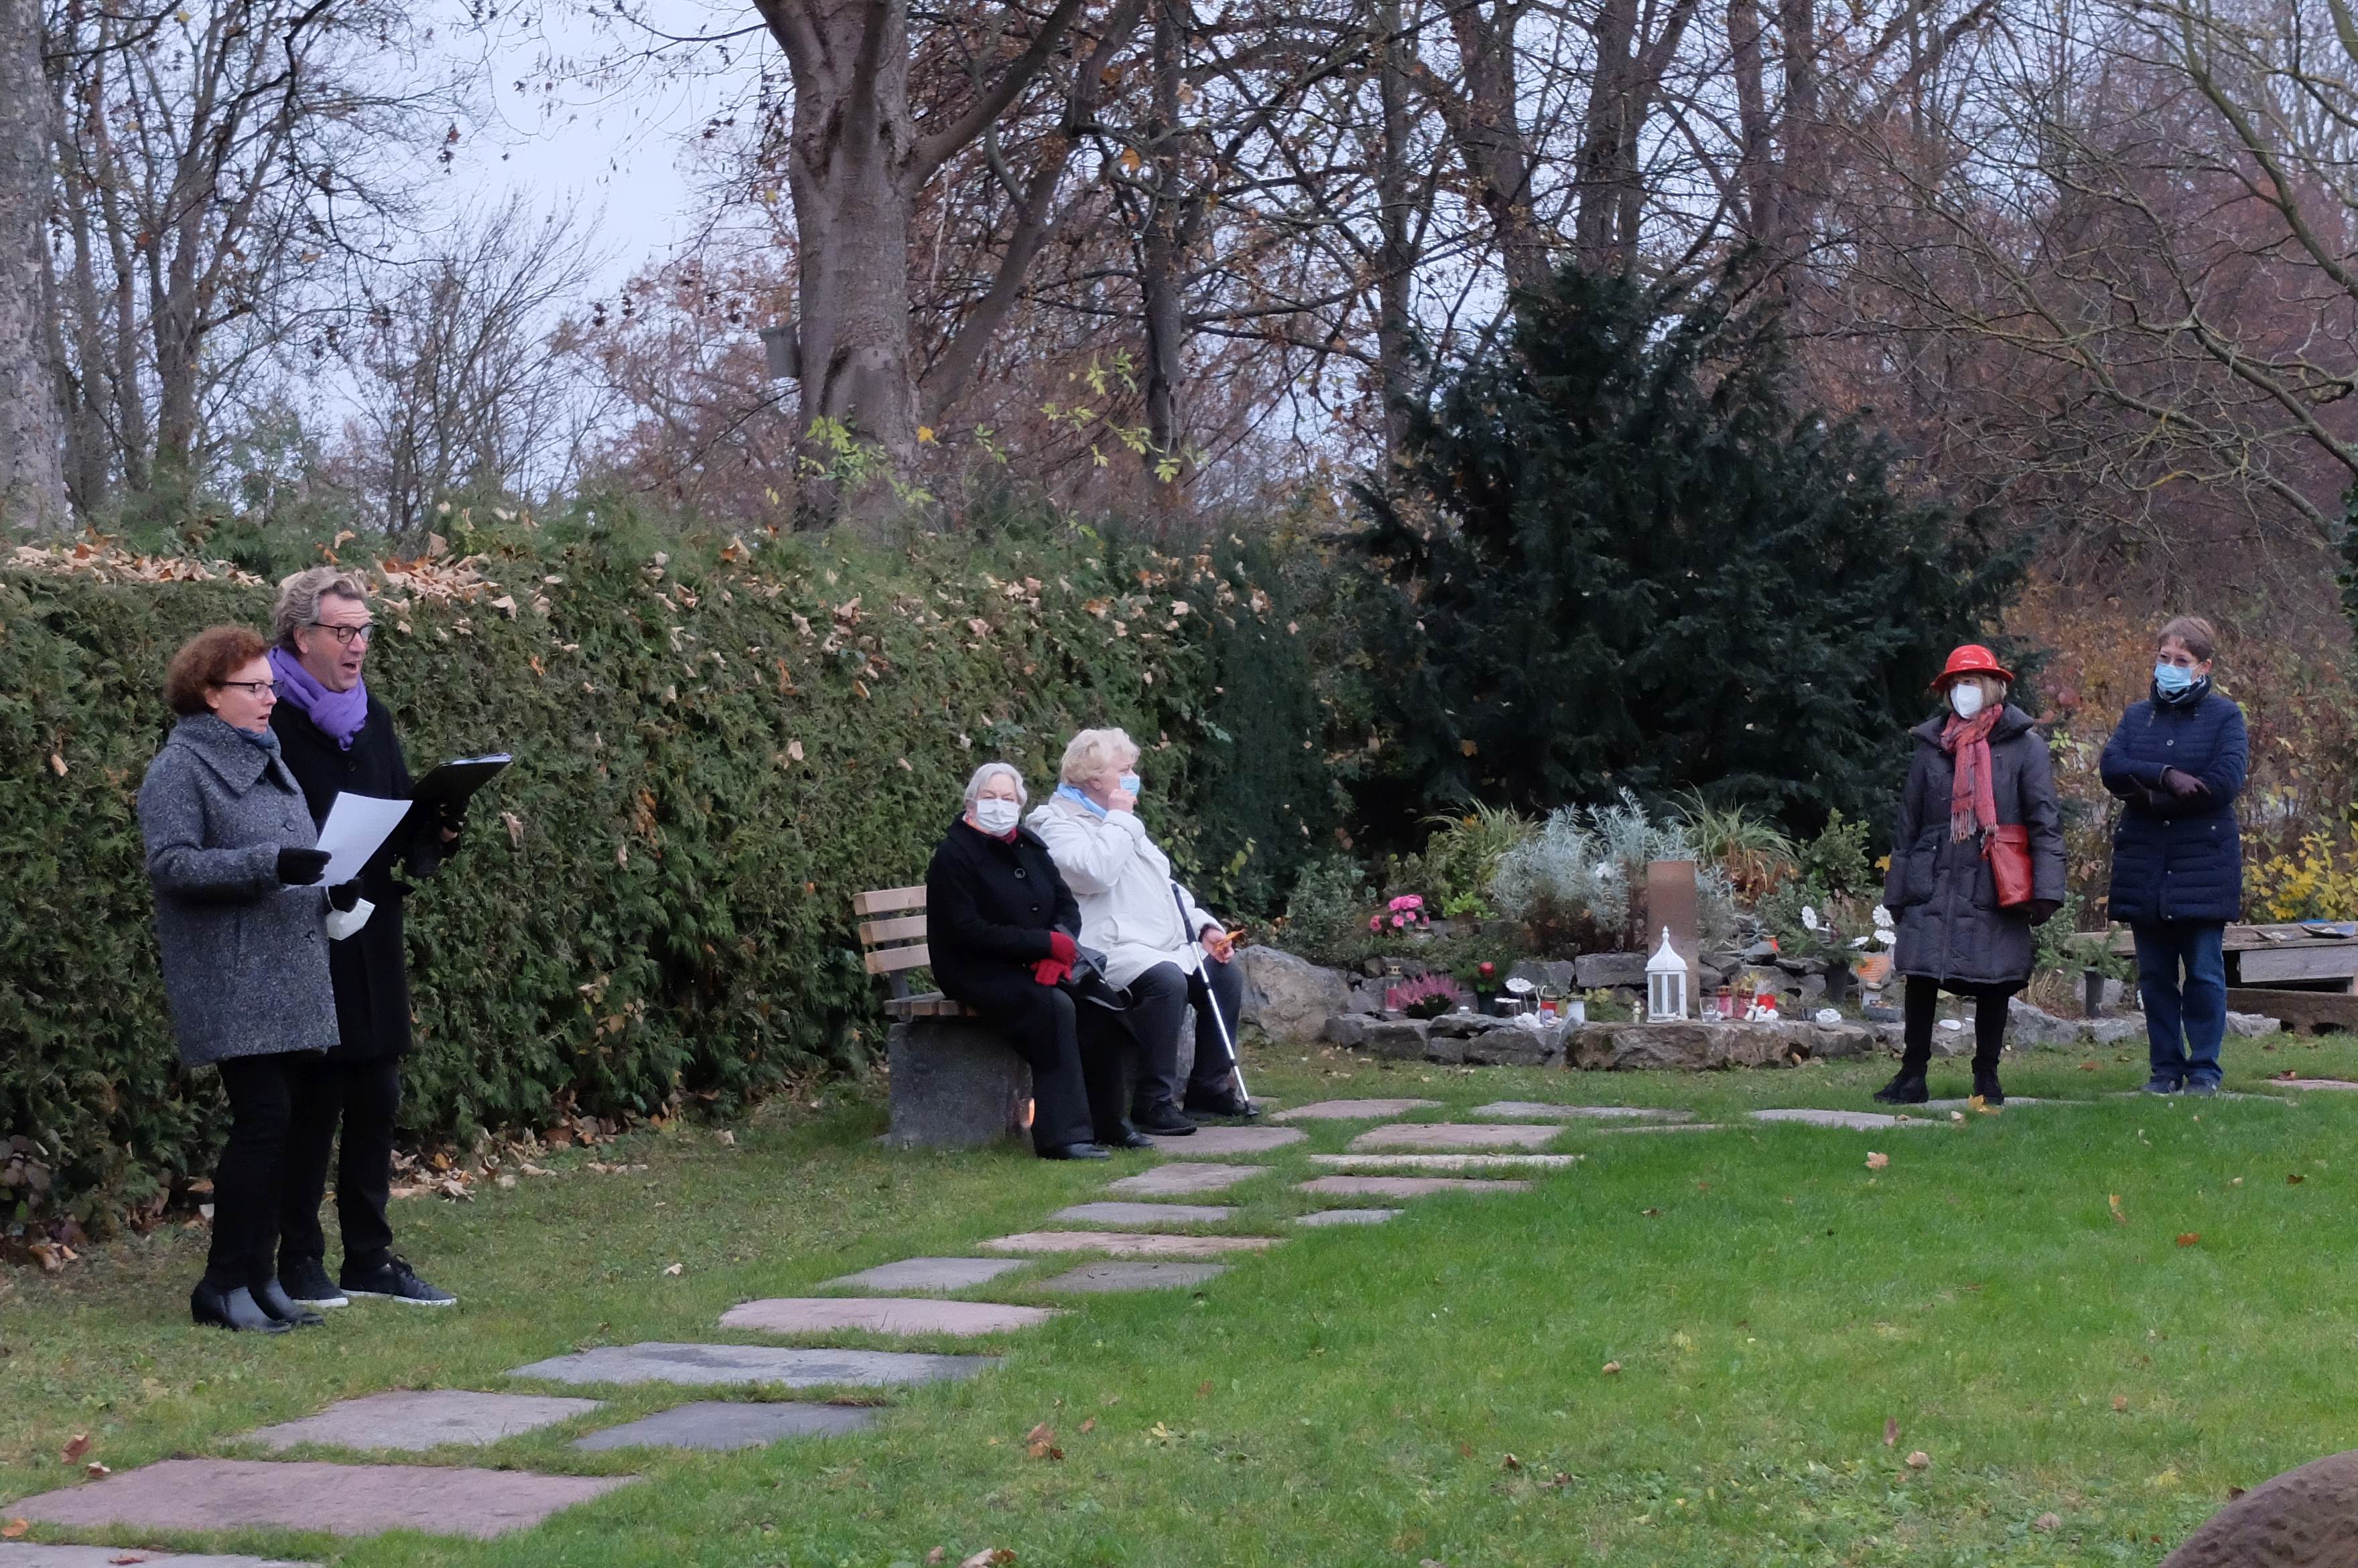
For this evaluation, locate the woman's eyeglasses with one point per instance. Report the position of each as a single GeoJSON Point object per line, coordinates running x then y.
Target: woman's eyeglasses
{"type": "Point", "coordinates": [347, 634]}
{"type": "Point", "coordinates": [252, 687]}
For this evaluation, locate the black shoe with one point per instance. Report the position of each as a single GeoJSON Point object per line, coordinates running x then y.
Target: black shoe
{"type": "Point", "coordinates": [1128, 1138]}
{"type": "Point", "coordinates": [395, 1281]}
{"type": "Point", "coordinates": [1163, 1122]}
{"type": "Point", "coordinates": [306, 1282]}
{"type": "Point", "coordinates": [1985, 1087]}
{"type": "Point", "coordinates": [1227, 1102]}
{"type": "Point", "coordinates": [273, 1299]}
{"type": "Point", "coordinates": [2160, 1085]}
{"type": "Point", "coordinates": [233, 1310]}
{"type": "Point", "coordinates": [1908, 1089]}
{"type": "Point", "coordinates": [1073, 1152]}
{"type": "Point", "coordinates": [2199, 1086]}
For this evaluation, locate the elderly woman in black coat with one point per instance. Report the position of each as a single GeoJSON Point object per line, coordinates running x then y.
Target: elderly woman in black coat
{"type": "Point", "coordinates": [1979, 767]}
{"type": "Point", "coordinates": [1002, 928]}
{"type": "Point", "coordinates": [240, 926]}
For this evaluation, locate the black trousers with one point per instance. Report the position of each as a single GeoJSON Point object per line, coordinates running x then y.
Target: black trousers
{"type": "Point", "coordinates": [1158, 998]}
{"type": "Point", "coordinates": [1078, 1054]}
{"type": "Point", "coordinates": [364, 1097]}
{"type": "Point", "coordinates": [1923, 999]}
{"type": "Point", "coordinates": [250, 1176]}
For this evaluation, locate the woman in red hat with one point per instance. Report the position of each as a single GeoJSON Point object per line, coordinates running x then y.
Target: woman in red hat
{"type": "Point", "coordinates": [1980, 790]}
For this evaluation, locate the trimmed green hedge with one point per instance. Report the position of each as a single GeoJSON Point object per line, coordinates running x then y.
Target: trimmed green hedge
{"type": "Point", "coordinates": [654, 902]}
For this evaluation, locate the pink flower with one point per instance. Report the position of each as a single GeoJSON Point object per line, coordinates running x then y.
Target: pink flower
{"type": "Point", "coordinates": [1375, 923]}
{"type": "Point", "coordinates": [1399, 920]}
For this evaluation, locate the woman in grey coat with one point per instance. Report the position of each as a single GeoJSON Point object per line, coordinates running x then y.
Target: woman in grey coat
{"type": "Point", "coordinates": [1978, 766]}
{"type": "Point", "coordinates": [241, 927]}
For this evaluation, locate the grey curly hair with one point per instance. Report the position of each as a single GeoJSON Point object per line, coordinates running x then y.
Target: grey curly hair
{"type": "Point", "coordinates": [299, 596]}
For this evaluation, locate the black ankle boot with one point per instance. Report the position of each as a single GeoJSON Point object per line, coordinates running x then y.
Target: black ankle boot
{"type": "Point", "coordinates": [273, 1299]}
{"type": "Point", "coordinates": [236, 1310]}
{"type": "Point", "coordinates": [1986, 1085]}
{"type": "Point", "coordinates": [1906, 1088]}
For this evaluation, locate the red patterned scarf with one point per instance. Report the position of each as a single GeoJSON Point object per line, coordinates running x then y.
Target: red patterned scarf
{"type": "Point", "coordinates": [1973, 802]}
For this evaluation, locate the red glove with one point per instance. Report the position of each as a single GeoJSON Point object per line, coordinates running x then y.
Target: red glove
{"type": "Point", "coordinates": [1051, 971]}
{"type": "Point", "coordinates": [1063, 949]}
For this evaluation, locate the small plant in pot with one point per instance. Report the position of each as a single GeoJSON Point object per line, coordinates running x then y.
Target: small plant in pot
{"type": "Point", "coordinates": [1427, 995]}
{"type": "Point", "coordinates": [1404, 916]}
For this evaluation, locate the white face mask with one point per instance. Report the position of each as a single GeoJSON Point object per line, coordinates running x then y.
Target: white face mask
{"type": "Point", "coordinates": [1965, 699]}
{"type": "Point", "coordinates": [998, 816]}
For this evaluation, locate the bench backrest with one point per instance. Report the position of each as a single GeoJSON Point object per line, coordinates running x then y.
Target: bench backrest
{"type": "Point", "coordinates": [893, 932]}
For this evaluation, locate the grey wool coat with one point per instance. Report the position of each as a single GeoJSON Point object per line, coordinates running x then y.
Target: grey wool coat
{"type": "Point", "coordinates": [244, 956]}
{"type": "Point", "coordinates": [1939, 890]}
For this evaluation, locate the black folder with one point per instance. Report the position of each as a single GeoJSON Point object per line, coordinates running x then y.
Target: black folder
{"type": "Point", "coordinates": [447, 790]}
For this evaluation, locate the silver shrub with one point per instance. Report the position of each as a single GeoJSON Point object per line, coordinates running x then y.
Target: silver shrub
{"type": "Point", "coordinates": [1584, 863]}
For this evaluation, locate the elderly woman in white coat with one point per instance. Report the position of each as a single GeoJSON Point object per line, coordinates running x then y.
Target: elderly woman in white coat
{"type": "Point", "coordinates": [1149, 928]}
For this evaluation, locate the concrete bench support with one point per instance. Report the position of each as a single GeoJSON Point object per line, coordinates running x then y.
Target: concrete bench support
{"type": "Point", "coordinates": [955, 1085]}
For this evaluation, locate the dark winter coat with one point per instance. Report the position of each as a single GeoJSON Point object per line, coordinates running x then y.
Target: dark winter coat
{"type": "Point", "coordinates": [2172, 859]}
{"type": "Point", "coordinates": [370, 966]}
{"type": "Point", "coordinates": [990, 905]}
{"type": "Point", "coordinates": [244, 956]}
{"type": "Point", "coordinates": [1950, 927]}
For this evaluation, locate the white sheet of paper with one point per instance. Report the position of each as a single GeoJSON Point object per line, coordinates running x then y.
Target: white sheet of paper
{"type": "Point", "coordinates": [356, 826]}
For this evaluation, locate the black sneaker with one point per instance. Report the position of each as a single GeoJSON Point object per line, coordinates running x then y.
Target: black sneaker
{"type": "Point", "coordinates": [1163, 1122]}
{"type": "Point", "coordinates": [2200, 1087]}
{"type": "Point", "coordinates": [1906, 1088]}
{"type": "Point", "coordinates": [305, 1280]}
{"type": "Point", "coordinates": [2159, 1085]}
{"type": "Point", "coordinates": [393, 1280]}
{"type": "Point", "coordinates": [1226, 1102]}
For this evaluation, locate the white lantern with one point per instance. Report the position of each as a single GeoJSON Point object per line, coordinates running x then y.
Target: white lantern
{"type": "Point", "coordinates": [1666, 983]}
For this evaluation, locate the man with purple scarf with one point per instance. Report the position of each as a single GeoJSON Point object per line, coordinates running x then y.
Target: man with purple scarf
{"type": "Point", "coordinates": [336, 738]}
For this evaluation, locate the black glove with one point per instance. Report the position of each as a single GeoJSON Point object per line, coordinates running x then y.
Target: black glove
{"type": "Point", "coordinates": [345, 896]}
{"type": "Point", "coordinates": [2042, 910]}
{"type": "Point", "coordinates": [2181, 784]}
{"type": "Point", "coordinates": [301, 868]}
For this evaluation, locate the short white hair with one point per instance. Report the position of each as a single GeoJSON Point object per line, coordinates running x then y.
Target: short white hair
{"type": "Point", "coordinates": [983, 774]}
{"type": "Point", "coordinates": [1092, 751]}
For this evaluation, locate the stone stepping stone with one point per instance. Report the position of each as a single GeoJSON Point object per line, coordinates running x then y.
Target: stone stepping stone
{"type": "Point", "coordinates": [1095, 1278]}
{"type": "Point", "coordinates": [2011, 1101]}
{"type": "Point", "coordinates": [1230, 1140]}
{"type": "Point", "coordinates": [1354, 1110]}
{"type": "Point", "coordinates": [1673, 1127]}
{"type": "Point", "coordinates": [34, 1554]}
{"type": "Point", "coordinates": [1145, 1213]}
{"type": "Point", "coordinates": [1323, 1216]}
{"type": "Point", "coordinates": [1129, 1244]}
{"type": "Point", "coordinates": [714, 1366]}
{"type": "Point", "coordinates": [1405, 1187]}
{"type": "Point", "coordinates": [422, 1418]}
{"type": "Point", "coordinates": [1449, 1162]}
{"type": "Point", "coordinates": [723, 1423]}
{"type": "Point", "coordinates": [341, 1499]}
{"type": "Point", "coordinates": [881, 1314]}
{"type": "Point", "coordinates": [1184, 1180]}
{"type": "Point", "coordinates": [2301, 1083]}
{"type": "Point", "coordinates": [1458, 1135]}
{"type": "Point", "coordinates": [927, 1275]}
{"type": "Point", "coordinates": [1542, 1110]}
{"type": "Point", "coordinates": [1857, 1121]}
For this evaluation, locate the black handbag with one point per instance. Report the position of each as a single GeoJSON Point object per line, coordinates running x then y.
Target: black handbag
{"type": "Point", "coordinates": [1087, 982]}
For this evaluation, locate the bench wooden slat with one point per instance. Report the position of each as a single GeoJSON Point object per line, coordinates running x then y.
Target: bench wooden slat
{"type": "Point", "coordinates": [888, 900]}
{"type": "Point", "coordinates": [899, 929]}
{"type": "Point", "coordinates": [891, 960]}
{"type": "Point", "coordinates": [933, 1004]}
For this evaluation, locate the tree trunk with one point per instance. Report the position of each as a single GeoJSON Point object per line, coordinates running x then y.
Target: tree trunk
{"type": "Point", "coordinates": [1491, 137]}
{"type": "Point", "coordinates": [32, 437]}
{"type": "Point", "coordinates": [1158, 260]}
{"type": "Point", "coordinates": [1396, 255]}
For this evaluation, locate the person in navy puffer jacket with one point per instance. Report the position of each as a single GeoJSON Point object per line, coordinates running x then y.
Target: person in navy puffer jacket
{"type": "Point", "coordinates": [2178, 761]}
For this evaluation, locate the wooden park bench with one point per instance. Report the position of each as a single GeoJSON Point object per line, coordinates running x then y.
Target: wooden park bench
{"type": "Point", "coordinates": [2303, 974]}
{"type": "Point", "coordinates": [955, 1083]}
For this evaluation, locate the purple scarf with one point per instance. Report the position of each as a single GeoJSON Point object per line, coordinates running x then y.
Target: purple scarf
{"type": "Point", "coordinates": [339, 714]}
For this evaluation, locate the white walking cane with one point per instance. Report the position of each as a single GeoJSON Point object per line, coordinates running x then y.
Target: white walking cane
{"type": "Point", "coordinates": [1236, 1064]}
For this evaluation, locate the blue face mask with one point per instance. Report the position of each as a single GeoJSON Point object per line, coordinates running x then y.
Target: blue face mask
{"type": "Point", "coordinates": [1130, 782]}
{"type": "Point", "coordinates": [2169, 679]}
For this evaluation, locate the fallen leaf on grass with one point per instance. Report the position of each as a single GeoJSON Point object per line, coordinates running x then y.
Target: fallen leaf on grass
{"type": "Point", "coordinates": [2089, 1066]}
{"type": "Point", "coordinates": [14, 1528]}
{"type": "Point", "coordinates": [936, 1555]}
{"type": "Point", "coordinates": [1203, 1389]}
{"type": "Point", "coordinates": [76, 1447]}
{"type": "Point", "coordinates": [127, 1557]}
{"type": "Point", "coordinates": [1919, 1460]}
{"type": "Point", "coordinates": [2048, 1521]}
{"type": "Point", "coordinates": [2188, 1238]}
{"type": "Point", "coordinates": [1510, 1462]}
{"type": "Point", "coordinates": [989, 1557]}
{"type": "Point", "coordinates": [673, 1270]}
{"type": "Point", "coordinates": [2120, 1401]}
{"type": "Point", "coordinates": [1649, 1213]}
{"type": "Point", "coordinates": [1039, 1442]}
{"type": "Point", "coordinates": [2295, 1179]}
{"type": "Point", "coordinates": [1089, 1426]}
{"type": "Point", "coordinates": [96, 1471]}
{"type": "Point", "coordinates": [1891, 1431]}
{"type": "Point", "coordinates": [2112, 1201]}
{"type": "Point", "coordinates": [1877, 1161]}
{"type": "Point", "coordinates": [1611, 1368]}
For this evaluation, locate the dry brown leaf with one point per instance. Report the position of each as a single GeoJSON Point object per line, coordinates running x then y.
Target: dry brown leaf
{"type": "Point", "coordinates": [2295, 1179]}
{"type": "Point", "coordinates": [1877, 1161]}
{"type": "Point", "coordinates": [1891, 1431]}
{"type": "Point", "coordinates": [1204, 1389]}
{"type": "Point", "coordinates": [1039, 1442]}
{"type": "Point", "coordinates": [14, 1528]}
{"type": "Point", "coordinates": [1089, 1426]}
{"type": "Point", "coordinates": [672, 1271]}
{"type": "Point", "coordinates": [936, 1554]}
{"type": "Point", "coordinates": [76, 1447]}
{"type": "Point", "coordinates": [57, 764]}
{"type": "Point", "coordinates": [1919, 1460]}
{"type": "Point", "coordinates": [2120, 1401]}
{"type": "Point", "coordinates": [1510, 1462]}
{"type": "Point", "coordinates": [989, 1557]}
{"type": "Point", "coordinates": [1650, 1213]}
{"type": "Point", "coordinates": [2189, 1238]}
{"type": "Point", "coordinates": [96, 1471]}
{"type": "Point", "coordinates": [2112, 1201]}
{"type": "Point", "coordinates": [2048, 1521]}
{"type": "Point", "coordinates": [127, 1557]}
{"type": "Point", "coordinates": [1611, 1368]}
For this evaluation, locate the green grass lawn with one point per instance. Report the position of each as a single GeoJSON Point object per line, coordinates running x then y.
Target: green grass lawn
{"type": "Point", "coordinates": [1428, 1391]}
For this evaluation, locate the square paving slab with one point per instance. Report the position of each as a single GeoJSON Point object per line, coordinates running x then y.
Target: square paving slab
{"type": "Point", "coordinates": [1122, 1244]}
{"type": "Point", "coordinates": [1184, 1180]}
{"type": "Point", "coordinates": [422, 1418]}
{"type": "Point", "coordinates": [341, 1499]}
{"type": "Point", "coordinates": [1458, 1135]}
{"type": "Point", "coordinates": [1348, 1215]}
{"type": "Point", "coordinates": [715, 1366]}
{"type": "Point", "coordinates": [1092, 1278]}
{"type": "Point", "coordinates": [1144, 1212]}
{"type": "Point", "coordinates": [881, 1314]}
{"type": "Point", "coordinates": [1858, 1120]}
{"type": "Point", "coordinates": [1405, 1187]}
{"type": "Point", "coordinates": [1541, 1110]}
{"type": "Point", "coordinates": [928, 1274]}
{"type": "Point", "coordinates": [1449, 1162]}
{"type": "Point", "coordinates": [1354, 1110]}
{"type": "Point", "coordinates": [1671, 1127]}
{"type": "Point", "coordinates": [1230, 1141]}
{"type": "Point", "coordinates": [2282, 1083]}
{"type": "Point", "coordinates": [32, 1554]}
{"type": "Point", "coordinates": [1949, 1105]}
{"type": "Point", "coordinates": [722, 1424]}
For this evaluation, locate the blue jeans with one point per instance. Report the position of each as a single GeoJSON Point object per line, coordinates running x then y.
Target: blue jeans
{"type": "Point", "coordinates": [2183, 1023]}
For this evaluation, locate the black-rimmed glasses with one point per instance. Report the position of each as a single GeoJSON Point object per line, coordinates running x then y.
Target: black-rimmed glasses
{"type": "Point", "coordinates": [345, 634]}
{"type": "Point", "coordinates": [252, 687]}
